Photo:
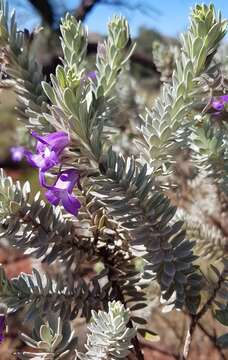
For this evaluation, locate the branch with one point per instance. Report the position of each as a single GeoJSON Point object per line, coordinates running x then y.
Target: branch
{"type": "Point", "coordinates": [195, 318]}
{"type": "Point", "coordinates": [213, 339]}
{"type": "Point", "coordinates": [188, 339]}
{"type": "Point", "coordinates": [42, 294]}
{"type": "Point", "coordinates": [123, 285]}
{"type": "Point", "coordinates": [151, 346]}
{"type": "Point", "coordinates": [135, 341]}
{"type": "Point", "coordinates": [45, 9]}
{"type": "Point", "coordinates": [85, 8]}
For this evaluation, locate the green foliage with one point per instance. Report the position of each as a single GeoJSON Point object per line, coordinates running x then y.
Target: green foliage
{"type": "Point", "coordinates": [128, 191]}
{"type": "Point", "coordinates": [125, 215]}
{"type": "Point", "coordinates": [22, 67]}
{"type": "Point", "coordinates": [110, 337]}
{"type": "Point", "coordinates": [74, 44]}
{"type": "Point", "coordinates": [51, 338]}
{"type": "Point", "coordinates": [222, 316]}
{"type": "Point", "coordinates": [78, 104]}
{"type": "Point", "coordinates": [47, 235]}
{"type": "Point", "coordinates": [210, 152]}
{"type": "Point", "coordinates": [38, 227]}
{"type": "Point", "coordinates": [41, 294]}
{"type": "Point", "coordinates": [166, 127]}
{"type": "Point", "coordinates": [111, 55]}
{"type": "Point", "coordinates": [217, 281]}
{"type": "Point", "coordinates": [80, 109]}
{"type": "Point", "coordinates": [210, 242]}
{"type": "Point", "coordinates": [222, 341]}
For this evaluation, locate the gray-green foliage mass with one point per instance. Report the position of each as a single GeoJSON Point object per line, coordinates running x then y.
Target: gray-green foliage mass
{"type": "Point", "coordinates": [51, 338]}
{"type": "Point", "coordinates": [125, 215]}
{"type": "Point", "coordinates": [110, 337]}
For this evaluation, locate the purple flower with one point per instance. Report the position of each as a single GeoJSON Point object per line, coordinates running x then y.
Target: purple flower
{"type": "Point", "coordinates": [17, 153]}
{"type": "Point", "coordinates": [48, 149]}
{"type": "Point", "coordinates": [219, 102]}
{"type": "Point", "coordinates": [2, 326]}
{"type": "Point", "coordinates": [92, 75]}
{"type": "Point", "coordinates": [61, 190]}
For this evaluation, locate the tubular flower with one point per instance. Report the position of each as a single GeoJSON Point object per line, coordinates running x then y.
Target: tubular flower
{"type": "Point", "coordinates": [92, 75]}
{"type": "Point", "coordinates": [48, 149]}
{"type": "Point", "coordinates": [219, 102]}
{"type": "Point", "coordinates": [61, 191]}
{"type": "Point", "coordinates": [2, 327]}
{"type": "Point", "coordinates": [17, 153]}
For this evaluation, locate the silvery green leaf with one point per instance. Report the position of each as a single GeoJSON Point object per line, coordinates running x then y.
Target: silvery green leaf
{"type": "Point", "coordinates": [49, 345]}
{"type": "Point", "coordinates": [222, 316]}
{"type": "Point", "coordinates": [109, 334]}
{"type": "Point", "coordinates": [222, 341]}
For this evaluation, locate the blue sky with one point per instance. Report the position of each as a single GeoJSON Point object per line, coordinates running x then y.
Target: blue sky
{"type": "Point", "coordinates": [172, 20]}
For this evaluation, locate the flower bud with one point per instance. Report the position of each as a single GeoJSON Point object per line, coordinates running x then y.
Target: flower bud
{"type": "Point", "coordinates": [119, 31]}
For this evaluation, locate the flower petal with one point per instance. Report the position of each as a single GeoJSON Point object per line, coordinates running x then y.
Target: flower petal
{"type": "Point", "coordinates": [2, 326]}
{"type": "Point", "coordinates": [224, 98]}
{"type": "Point", "coordinates": [56, 141]}
{"type": "Point", "coordinates": [61, 190]}
{"type": "Point", "coordinates": [53, 197]}
{"type": "Point", "coordinates": [67, 180]}
{"type": "Point", "coordinates": [70, 203]}
{"type": "Point", "coordinates": [92, 75]}
{"type": "Point", "coordinates": [42, 161]}
{"type": "Point", "coordinates": [42, 179]}
{"type": "Point", "coordinates": [217, 105]}
{"type": "Point", "coordinates": [219, 102]}
{"type": "Point", "coordinates": [17, 153]}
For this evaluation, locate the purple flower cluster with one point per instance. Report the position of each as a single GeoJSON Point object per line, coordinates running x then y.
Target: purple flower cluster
{"type": "Point", "coordinates": [61, 190]}
{"type": "Point", "coordinates": [48, 150]}
{"type": "Point", "coordinates": [17, 153]}
{"type": "Point", "coordinates": [2, 327]}
{"type": "Point", "coordinates": [219, 102]}
{"type": "Point", "coordinates": [90, 75]}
